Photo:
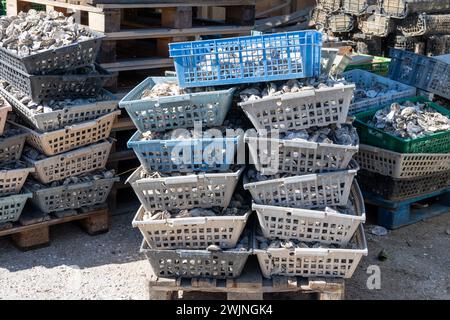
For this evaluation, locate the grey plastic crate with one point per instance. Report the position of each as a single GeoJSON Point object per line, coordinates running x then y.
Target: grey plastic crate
{"type": "Point", "coordinates": [368, 80]}
{"type": "Point", "coordinates": [300, 110]}
{"type": "Point", "coordinates": [307, 191]}
{"type": "Point", "coordinates": [56, 87]}
{"type": "Point", "coordinates": [11, 181]}
{"type": "Point", "coordinates": [376, 25]}
{"type": "Point", "coordinates": [61, 118]}
{"type": "Point", "coordinates": [11, 147]}
{"type": "Point", "coordinates": [72, 163]}
{"type": "Point", "coordinates": [196, 263]}
{"type": "Point", "coordinates": [341, 23]}
{"type": "Point", "coordinates": [425, 24]}
{"type": "Point", "coordinates": [172, 112]}
{"type": "Point", "coordinates": [312, 262]}
{"type": "Point", "coordinates": [312, 225]}
{"type": "Point", "coordinates": [201, 190]}
{"type": "Point", "coordinates": [191, 233]}
{"type": "Point", "coordinates": [438, 45]}
{"type": "Point", "coordinates": [271, 156]}
{"type": "Point", "coordinates": [4, 109]}
{"type": "Point", "coordinates": [320, 17]}
{"type": "Point", "coordinates": [74, 196]}
{"type": "Point", "coordinates": [69, 57]}
{"type": "Point", "coordinates": [329, 6]}
{"type": "Point", "coordinates": [356, 7]}
{"type": "Point", "coordinates": [11, 207]}
{"type": "Point", "coordinates": [394, 8]}
{"type": "Point", "coordinates": [73, 136]}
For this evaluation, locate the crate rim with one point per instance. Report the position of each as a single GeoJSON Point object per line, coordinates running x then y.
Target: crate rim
{"type": "Point", "coordinates": [23, 195]}
{"type": "Point", "coordinates": [69, 187]}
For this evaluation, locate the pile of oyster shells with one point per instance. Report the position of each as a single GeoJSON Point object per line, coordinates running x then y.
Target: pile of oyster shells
{"type": "Point", "coordinates": [170, 88]}
{"type": "Point", "coordinates": [51, 105]}
{"type": "Point", "coordinates": [260, 91]}
{"type": "Point", "coordinates": [343, 134]}
{"type": "Point", "coordinates": [36, 31]}
{"type": "Point", "coordinates": [409, 120]}
{"type": "Point", "coordinates": [87, 177]}
{"type": "Point", "coordinates": [265, 244]}
{"type": "Point", "coordinates": [372, 90]}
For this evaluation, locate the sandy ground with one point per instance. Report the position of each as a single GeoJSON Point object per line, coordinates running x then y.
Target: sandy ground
{"type": "Point", "coordinates": [109, 266]}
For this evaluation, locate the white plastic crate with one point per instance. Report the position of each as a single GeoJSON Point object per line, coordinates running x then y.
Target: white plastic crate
{"type": "Point", "coordinates": [201, 190]}
{"type": "Point", "coordinates": [312, 262]}
{"type": "Point", "coordinates": [11, 181]}
{"type": "Point", "coordinates": [300, 110]}
{"type": "Point", "coordinates": [368, 80]}
{"type": "Point", "coordinates": [311, 225]}
{"type": "Point", "coordinates": [72, 163]}
{"type": "Point", "coordinates": [58, 119]}
{"type": "Point", "coordinates": [401, 165]}
{"type": "Point", "coordinates": [307, 191]}
{"type": "Point", "coordinates": [191, 233]}
{"type": "Point", "coordinates": [73, 136]}
{"type": "Point", "coordinates": [11, 207]}
{"type": "Point", "coordinates": [4, 109]}
{"type": "Point", "coordinates": [271, 156]}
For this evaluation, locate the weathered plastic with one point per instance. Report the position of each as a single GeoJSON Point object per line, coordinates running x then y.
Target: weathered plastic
{"type": "Point", "coordinates": [80, 54]}
{"type": "Point", "coordinates": [401, 165]}
{"type": "Point", "coordinates": [201, 190]}
{"type": "Point", "coordinates": [56, 87]}
{"type": "Point", "coordinates": [11, 207]}
{"type": "Point", "coordinates": [61, 118]}
{"type": "Point", "coordinates": [425, 24]}
{"type": "Point", "coordinates": [367, 80]}
{"type": "Point", "coordinates": [356, 7]}
{"type": "Point", "coordinates": [311, 225]}
{"type": "Point", "coordinates": [401, 8]}
{"type": "Point", "coordinates": [4, 109]}
{"type": "Point", "coordinates": [271, 156]}
{"type": "Point", "coordinates": [438, 45]}
{"type": "Point", "coordinates": [11, 147]}
{"type": "Point", "coordinates": [340, 23]}
{"type": "Point", "coordinates": [196, 263]}
{"type": "Point", "coordinates": [376, 25]}
{"type": "Point", "coordinates": [191, 233]}
{"type": "Point", "coordinates": [11, 181]}
{"type": "Point", "coordinates": [72, 163]}
{"type": "Point", "coordinates": [307, 191]}
{"type": "Point", "coordinates": [312, 262]}
{"type": "Point", "coordinates": [329, 6]}
{"type": "Point", "coordinates": [73, 136]}
{"type": "Point", "coordinates": [300, 110]}
{"type": "Point", "coordinates": [74, 196]}
{"type": "Point", "coordinates": [165, 113]}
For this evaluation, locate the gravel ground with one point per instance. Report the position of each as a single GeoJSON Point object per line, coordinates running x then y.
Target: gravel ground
{"type": "Point", "coordinates": [109, 266]}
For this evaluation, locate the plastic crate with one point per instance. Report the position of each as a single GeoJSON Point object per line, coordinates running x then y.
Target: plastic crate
{"type": "Point", "coordinates": [202, 190]}
{"type": "Point", "coordinates": [379, 65]}
{"type": "Point", "coordinates": [425, 24]}
{"type": "Point", "coordinates": [74, 196]}
{"type": "Point", "coordinates": [433, 143]}
{"type": "Point", "coordinates": [329, 6]}
{"type": "Point", "coordinates": [340, 23]}
{"type": "Point", "coordinates": [56, 87]}
{"type": "Point", "coordinates": [422, 72]}
{"type": "Point", "coordinates": [368, 80]}
{"type": "Point", "coordinates": [438, 45]}
{"type": "Point", "coordinates": [185, 155]}
{"type": "Point", "coordinates": [4, 109]}
{"type": "Point", "coordinates": [80, 54]}
{"type": "Point", "coordinates": [307, 191]}
{"type": "Point", "coordinates": [300, 110]}
{"type": "Point", "coordinates": [72, 163]}
{"type": "Point", "coordinates": [312, 262]}
{"type": "Point", "coordinates": [320, 17]}
{"type": "Point", "coordinates": [11, 207]}
{"type": "Point", "coordinates": [404, 43]}
{"type": "Point", "coordinates": [376, 25]}
{"type": "Point", "coordinates": [356, 7]}
{"type": "Point", "coordinates": [196, 263]}
{"type": "Point", "coordinates": [191, 233]}
{"type": "Point", "coordinates": [394, 8]}
{"type": "Point", "coordinates": [311, 225]}
{"type": "Point", "coordinates": [11, 181]}
{"type": "Point", "coordinates": [269, 57]}
{"type": "Point", "coordinates": [164, 113]}
{"type": "Point", "coordinates": [11, 147]}
{"type": "Point", "coordinates": [271, 156]}
{"type": "Point", "coordinates": [71, 137]}
{"type": "Point", "coordinates": [401, 165]}
{"type": "Point", "coordinates": [61, 118]}
{"type": "Point", "coordinates": [401, 189]}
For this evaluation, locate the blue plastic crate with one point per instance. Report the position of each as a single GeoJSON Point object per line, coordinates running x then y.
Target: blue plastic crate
{"type": "Point", "coordinates": [172, 112]}
{"type": "Point", "coordinates": [185, 155]}
{"type": "Point", "coordinates": [269, 57]}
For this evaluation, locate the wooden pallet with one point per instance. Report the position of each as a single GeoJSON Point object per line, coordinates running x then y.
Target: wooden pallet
{"type": "Point", "coordinates": [249, 286]}
{"type": "Point", "coordinates": [396, 214]}
{"type": "Point", "coordinates": [34, 232]}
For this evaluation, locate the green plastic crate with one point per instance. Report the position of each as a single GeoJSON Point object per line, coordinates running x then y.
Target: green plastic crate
{"type": "Point", "coordinates": [433, 143]}
{"type": "Point", "coordinates": [3, 8]}
{"type": "Point", "coordinates": [379, 65]}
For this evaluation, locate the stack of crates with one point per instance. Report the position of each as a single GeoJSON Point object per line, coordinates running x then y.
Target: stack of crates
{"type": "Point", "coordinates": [67, 141]}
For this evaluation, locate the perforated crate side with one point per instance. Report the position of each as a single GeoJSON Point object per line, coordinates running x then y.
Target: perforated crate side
{"type": "Point", "coordinates": [181, 111]}
{"type": "Point", "coordinates": [356, 7]}
{"type": "Point", "coordinates": [191, 233]}
{"type": "Point", "coordinates": [394, 8]}
{"type": "Point", "coordinates": [11, 148]}
{"type": "Point", "coordinates": [329, 6]}
{"type": "Point", "coordinates": [11, 181]}
{"type": "Point", "coordinates": [376, 25]}
{"type": "Point", "coordinates": [202, 190]}
{"type": "Point", "coordinates": [438, 45]}
{"type": "Point", "coordinates": [339, 23]}
{"type": "Point", "coordinates": [4, 109]}
{"type": "Point", "coordinates": [11, 207]}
